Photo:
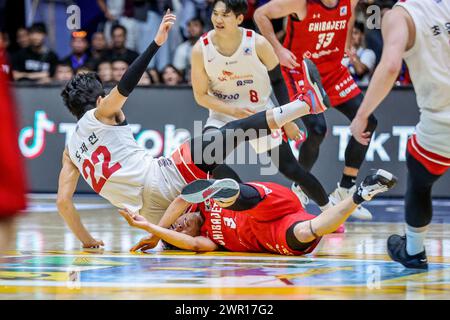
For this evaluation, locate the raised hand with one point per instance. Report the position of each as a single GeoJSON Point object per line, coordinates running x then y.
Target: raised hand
{"type": "Point", "coordinates": [164, 28]}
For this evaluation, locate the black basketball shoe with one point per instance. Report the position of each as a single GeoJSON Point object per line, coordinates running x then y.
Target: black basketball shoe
{"type": "Point", "coordinates": [396, 248]}
{"type": "Point", "coordinates": [202, 190]}
{"type": "Point", "coordinates": [376, 182]}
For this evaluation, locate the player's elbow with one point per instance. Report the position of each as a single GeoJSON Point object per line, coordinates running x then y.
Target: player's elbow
{"type": "Point", "coordinates": [394, 66]}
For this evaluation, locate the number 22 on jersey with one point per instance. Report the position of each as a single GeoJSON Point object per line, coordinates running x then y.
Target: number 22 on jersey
{"type": "Point", "coordinates": [107, 170]}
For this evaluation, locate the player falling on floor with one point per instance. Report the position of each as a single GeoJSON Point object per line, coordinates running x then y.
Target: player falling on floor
{"type": "Point", "coordinates": [252, 217]}
{"type": "Point", "coordinates": [320, 30]}
{"type": "Point", "coordinates": [233, 73]}
{"type": "Point", "coordinates": [103, 149]}
{"type": "Point", "coordinates": [419, 32]}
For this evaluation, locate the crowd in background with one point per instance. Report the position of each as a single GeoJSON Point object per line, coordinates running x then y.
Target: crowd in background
{"type": "Point", "coordinates": [130, 25]}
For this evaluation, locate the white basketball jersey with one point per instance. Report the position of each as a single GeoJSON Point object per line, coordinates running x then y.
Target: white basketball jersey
{"type": "Point", "coordinates": [429, 66]}
{"type": "Point", "coordinates": [241, 79]}
{"type": "Point", "coordinates": [121, 171]}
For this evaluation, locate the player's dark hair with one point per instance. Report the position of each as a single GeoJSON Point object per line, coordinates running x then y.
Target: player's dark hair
{"type": "Point", "coordinates": [82, 92]}
{"type": "Point", "coordinates": [118, 26]}
{"type": "Point", "coordinates": [236, 6]}
{"type": "Point", "coordinates": [359, 25]}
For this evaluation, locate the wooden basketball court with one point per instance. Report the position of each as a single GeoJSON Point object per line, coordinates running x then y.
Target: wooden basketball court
{"type": "Point", "coordinates": [48, 262]}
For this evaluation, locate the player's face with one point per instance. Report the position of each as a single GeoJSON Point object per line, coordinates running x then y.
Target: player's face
{"type": "Point", "coordinates": [225, 20]}
{"type": "Point", "coordinates": [189, 223]}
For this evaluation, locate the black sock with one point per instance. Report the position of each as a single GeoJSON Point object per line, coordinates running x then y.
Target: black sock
{"type": "Point", "coordinates": [347, 181]}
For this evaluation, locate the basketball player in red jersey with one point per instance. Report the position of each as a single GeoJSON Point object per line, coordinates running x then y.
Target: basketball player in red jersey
{"type": "Point", "coordinates": [12, 187]}
{"type": "Point", "coordinates": [252, 217]}
{"type": "Point", "coordinates": [320, 30]}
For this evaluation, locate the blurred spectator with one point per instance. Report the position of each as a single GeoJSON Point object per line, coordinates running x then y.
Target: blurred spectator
{"type": "Point", "coordinates": [37, 62]}
{"type": "Point", "coordinates": [104, 71]}
{"type": "Point", "coordinates": [5, 66]}
{"type": "Point", "coordinates": [63, 73]}
{"type": "Point", "coordinates": [118, 69]}
{"type": "Point", "coordinates": [182, 58]}
{"type": "Point", "coordinates": [374, 40]}
{"type": "Point", "coordinates": [99, 47]}
{"type": "Point", "coordinates": [360, 61]}
{"type": "Point", "coordinates": [171, 76]}
{"type": "Point", "coordinates": [147, 31]}
{"type": "Point", "coordinates": [145, 80]}
{"type": "Point", "coordinates": [22, 38]}
{"type": "Point", "coordinates": [154, 74]}
{"type": "Point", "coordinates": [192, 9]}
{"type": "Point", "coordinates": [120, 12]}
{"type": "Point", "coordinates": [79, 56]}
{"type": "Point", "coordinates": [118, 50]}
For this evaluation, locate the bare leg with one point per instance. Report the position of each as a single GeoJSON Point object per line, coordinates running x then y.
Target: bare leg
{"type": "Point", "coordinates": [325, 223]}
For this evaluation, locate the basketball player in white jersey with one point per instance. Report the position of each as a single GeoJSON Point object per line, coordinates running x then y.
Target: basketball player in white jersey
{"type": "Point", "coordinates": [419, 32]}
{"type": "Point", "coordinates": [233, 72]}
{"type": "Point", "coordinates": [104, 151]}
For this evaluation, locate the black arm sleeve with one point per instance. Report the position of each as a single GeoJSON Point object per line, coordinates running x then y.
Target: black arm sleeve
{"type": "Point", "coordinates": [278, 85]}
{"type": "Point", "coordinates": [134, 73]}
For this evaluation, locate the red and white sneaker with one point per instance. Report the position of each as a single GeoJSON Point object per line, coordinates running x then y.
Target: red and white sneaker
{"type": "Point", "coordinates": [313, 92]}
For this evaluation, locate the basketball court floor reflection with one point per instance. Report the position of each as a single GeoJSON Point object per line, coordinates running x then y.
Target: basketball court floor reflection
{"type": "Point", "coordinates": [49, 264]}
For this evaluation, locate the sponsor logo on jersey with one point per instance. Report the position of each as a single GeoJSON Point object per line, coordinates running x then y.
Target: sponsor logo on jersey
{"type": "Point", "coordinates": [343, 11]}
{"type": "Point", "coordinates": [327, 26]}
{"type": "Point", "coordinates": [241, 83]}
{"type": "Point", "coordinates": [318, 54]}
{"type": "Point", "coordinates": [247, 51]}
{"type": "Point", "coordinates": [222, 96]}
{"type": "Point", "coordinates": [231, 62]}
{"type": "Point", "coordinates": [228, 75]}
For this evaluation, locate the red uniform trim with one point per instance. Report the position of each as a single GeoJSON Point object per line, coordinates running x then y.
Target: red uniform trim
{"type": "Point", "coordinates": [434, 163]}
{"type": "Point", "coordinates": [182, 158]}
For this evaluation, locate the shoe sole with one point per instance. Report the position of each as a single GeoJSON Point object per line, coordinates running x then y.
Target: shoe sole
{"type": "Point", "coordinates": [388, 178]}
{"type": "Point", "coordinates": [202, 190]}
{"type": "Point", "coordinates": [313, 77]}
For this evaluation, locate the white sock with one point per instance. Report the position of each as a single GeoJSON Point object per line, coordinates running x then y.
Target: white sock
{"type": "Point", "coordinates": [415, 238]}
{"type": "Point", "coordinates": [325, 207]}
{"type": "Point", "coordinates": [289, 112]}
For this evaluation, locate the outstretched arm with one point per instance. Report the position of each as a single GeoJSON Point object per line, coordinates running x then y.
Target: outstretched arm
{"type": "Point", "coordinates": [177, 239]}
{"type": "Point", "coordinates": [68, 179]}
{"type": "Point", "coordinates": [112, 104]}
{"type": "Point", "coordinates": [395, 34]}
{"type": "Point", "coordinates": [175, 209]}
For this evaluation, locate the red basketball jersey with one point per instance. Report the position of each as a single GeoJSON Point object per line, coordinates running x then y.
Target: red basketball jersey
{"type": "Point", "coordinates": [260, 229]}
{"type": "Point", "coordinates": [321, 35]}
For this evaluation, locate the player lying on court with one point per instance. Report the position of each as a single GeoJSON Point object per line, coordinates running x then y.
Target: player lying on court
{"type": "Point", "coordinates": [104, 151]}
{"type": "Point", "coordinates": [252, 217]}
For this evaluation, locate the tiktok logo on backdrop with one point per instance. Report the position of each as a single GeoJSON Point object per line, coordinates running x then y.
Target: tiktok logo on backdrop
{"type": "Point", "coordinates": [32, 139]}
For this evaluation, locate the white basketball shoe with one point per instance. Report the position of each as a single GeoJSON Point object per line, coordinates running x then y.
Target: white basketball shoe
{"type": "Point", "coordinates": [342, 193]}
{"type": "Point", "coordinates": [304, 200]}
